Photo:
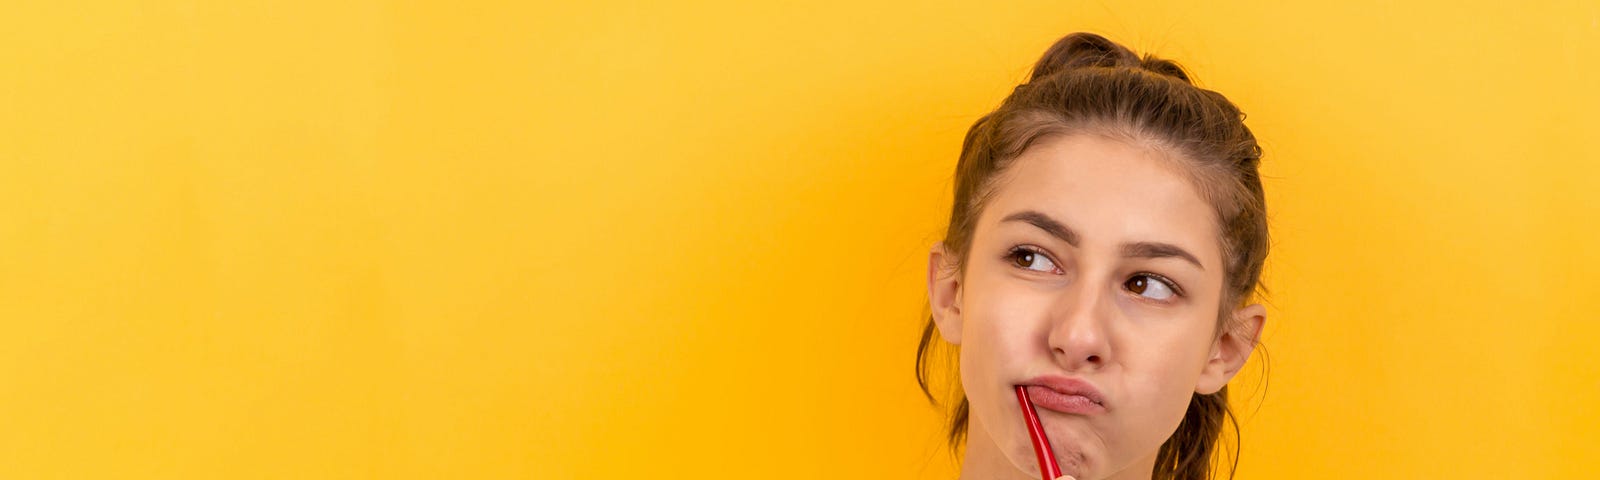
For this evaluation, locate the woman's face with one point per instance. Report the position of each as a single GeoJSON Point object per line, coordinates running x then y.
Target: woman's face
{"type": "Point", "coordinates": [1095, 261]}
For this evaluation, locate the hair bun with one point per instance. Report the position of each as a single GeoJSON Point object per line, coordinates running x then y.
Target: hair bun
{"type": "Point", "coordinates": [1084, 49]}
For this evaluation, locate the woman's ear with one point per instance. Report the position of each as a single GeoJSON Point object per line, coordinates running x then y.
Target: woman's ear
{"type": "Point", "coordinates": [1232, 348]}
{"type": "Point", "coordinates": [944, 293]}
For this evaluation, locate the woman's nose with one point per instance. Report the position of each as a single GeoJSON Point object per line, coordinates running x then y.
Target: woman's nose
{"type": "Point", "coordinates": [1078, 339]}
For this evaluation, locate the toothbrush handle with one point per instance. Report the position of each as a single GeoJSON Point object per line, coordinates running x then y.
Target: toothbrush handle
{"type": "Point", "coordinates": [1041, 442]}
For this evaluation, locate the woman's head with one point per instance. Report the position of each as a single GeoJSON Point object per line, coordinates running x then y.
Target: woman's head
{"type": "Point", "coordinates": [1108, 227]}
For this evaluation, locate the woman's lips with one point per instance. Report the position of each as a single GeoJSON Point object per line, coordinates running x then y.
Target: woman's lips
{"type": "Point", "coordinates": [1065, 395]}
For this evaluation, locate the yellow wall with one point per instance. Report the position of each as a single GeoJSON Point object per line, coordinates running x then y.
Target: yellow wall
{"type": "Point", "coordinates": [493, 240]}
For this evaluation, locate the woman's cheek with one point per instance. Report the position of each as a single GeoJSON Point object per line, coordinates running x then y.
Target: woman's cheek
{"type": "Point", "coordinates": [1010, 325]}
{"type": "Point", "coordinates": [1163, 395]}
{"type": "Point", "coordinates": [992, 341]}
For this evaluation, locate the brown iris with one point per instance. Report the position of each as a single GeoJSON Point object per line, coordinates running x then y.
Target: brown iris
{"type": "Point", "coordinates": [1023, 258]}
{"type": "Point", "coordinates": [1137, 284]}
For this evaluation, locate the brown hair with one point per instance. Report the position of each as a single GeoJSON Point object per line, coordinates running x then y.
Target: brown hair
{"type": "Point", "coordinates": [1086, 83]}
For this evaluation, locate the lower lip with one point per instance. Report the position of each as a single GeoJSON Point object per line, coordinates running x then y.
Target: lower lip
{"type": "Point", "coordinates": [1053, 400]}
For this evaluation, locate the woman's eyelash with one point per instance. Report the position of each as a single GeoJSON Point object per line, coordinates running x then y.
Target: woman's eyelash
{"type": "Point", "coordinates": [1171, 285]}
{"type": "Point", "coordinates": [1019, 250]}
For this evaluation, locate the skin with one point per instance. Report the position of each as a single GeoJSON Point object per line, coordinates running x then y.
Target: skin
{"type": "Point", "coordinates": [1088, 311]}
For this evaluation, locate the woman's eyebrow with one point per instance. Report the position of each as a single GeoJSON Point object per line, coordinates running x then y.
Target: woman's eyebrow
{"type": "Point", "coordinates": [1135, 250]}
{"type": "Point", "coordinates": [1044, 222]}
{"type": "Point", "coordinates": [1159, 250]}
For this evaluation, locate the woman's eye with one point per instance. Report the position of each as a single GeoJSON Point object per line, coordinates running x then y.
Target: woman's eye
{"type": "Point", "coordinates": [1150, 286]}
{"type": "Point", "coordinates": [1032, 260]}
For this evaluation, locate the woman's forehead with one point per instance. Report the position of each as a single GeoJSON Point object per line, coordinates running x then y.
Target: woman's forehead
{"type": "Point", "coordinates": [1107, 190]}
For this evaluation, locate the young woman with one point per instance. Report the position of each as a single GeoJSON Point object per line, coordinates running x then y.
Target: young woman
{"type": "Point", "coordinates": [1105, 244]}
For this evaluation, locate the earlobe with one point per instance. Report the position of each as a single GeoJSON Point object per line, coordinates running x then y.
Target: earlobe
{"type": "Point", "coordinates": [1232, 349]}
{"type": "Point", "coordinates": [944, 294]}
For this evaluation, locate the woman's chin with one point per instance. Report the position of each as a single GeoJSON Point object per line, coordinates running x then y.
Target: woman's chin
{"type": "Point", "coordinates": [1068, 458]}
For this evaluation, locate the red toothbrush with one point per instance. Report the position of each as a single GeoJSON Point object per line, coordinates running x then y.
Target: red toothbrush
{"type": "Point", "coordinates": [1041, 443]}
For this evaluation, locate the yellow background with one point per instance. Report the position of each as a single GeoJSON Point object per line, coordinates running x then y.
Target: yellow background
{"type": "Point", "coordinates": [600, 240]}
